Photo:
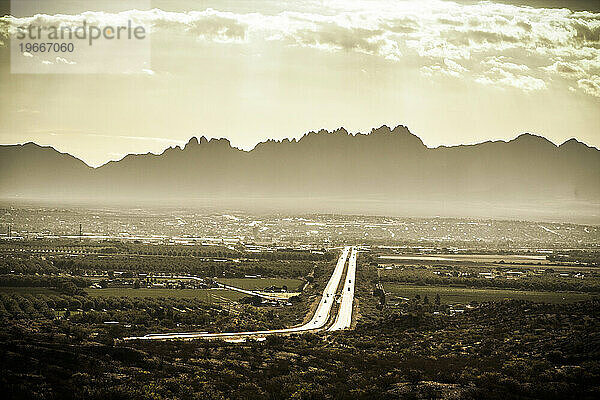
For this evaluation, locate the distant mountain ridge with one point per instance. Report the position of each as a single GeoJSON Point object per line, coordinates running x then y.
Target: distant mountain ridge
{"type": "Point", "coordinates": [386, 164]}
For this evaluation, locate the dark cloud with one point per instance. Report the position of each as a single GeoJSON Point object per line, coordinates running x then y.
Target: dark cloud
{"type": "Point", "coordinates": [590, 86]}
{"type": "Point", "coordinates": [524, 25]}
{"type": "Point", "coordinates": [405, 25]}
{"type": "Point", "coordinates": [587, 33]}
{"type": "Point", "coordinates": [447, 21]}
{"type": "Point", "coordinates": [465, 38]}
{"type": "Point", "coordinates": [575, 5]}
{"type": "Point", "coordinates": [216, 26]}
{"type": "Point", "coordinates": [566, 68]}
{"type": "Point", "coordinates": [208, 24]}
{"type": "Point", "coordinates": [342, 37]}
{"type": "Point", "coordinates": [479, 36]}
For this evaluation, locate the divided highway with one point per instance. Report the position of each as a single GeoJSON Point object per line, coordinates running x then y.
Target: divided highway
{"type": "Point", "coordinates": [344, 315]}
{"type": "Point", "coordinates": [317, 322]}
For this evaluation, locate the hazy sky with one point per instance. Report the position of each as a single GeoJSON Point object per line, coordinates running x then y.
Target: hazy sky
{"type": "Point", "coordinates": [453, 72]}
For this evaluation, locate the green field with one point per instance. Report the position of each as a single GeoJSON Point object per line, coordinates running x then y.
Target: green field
{"type": "Point", "coordinates": [555, 267]}
{"type": "Point", "coordinates": [454, 295]}
{"type": "Point", "coordinates": [507, 258]}
{"type": "Point", "coordinates": [293, 285]}
{"type": "Point", "coordinates": [208, 295]}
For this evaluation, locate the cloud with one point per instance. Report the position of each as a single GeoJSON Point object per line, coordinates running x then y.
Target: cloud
{"type": "Point", "coordinates": [140, 138]}
{"type": "Point", "coordinates": [209, 24]}
{"type": "Point", "coordinates": [449, 68]}
{"type": "Point", "coordinates": [487, 37]}
{"type": "Point", "coordinates": [58, 60]}
{"type": "Point", "coordinates": [27, 111]}
{"type": "Point", "coordinates": [524, 25]}
{"type": "Point", "coordinates": [503, 63]}
{"type": "Point", "coordinates": [501, 78]}
{"type": "Point", "coordinates": [590, 86]}
{"type": "Point", "coordinates": [452, 22]}
{"type": "Point", "coordinates": [564, 68]}
{"type": "Point", "coordinates": [70, 132]}
{"type": "Point", "coordinates": [587, 30]}
{"type": "Point", "coordinates": [402, 25]}
{"type": "Point", "coordinates": [334, 37]}
{"type": "Point", "coordinates": [61, 60]}
{"type": "Point", "coordinates": [489, 43]}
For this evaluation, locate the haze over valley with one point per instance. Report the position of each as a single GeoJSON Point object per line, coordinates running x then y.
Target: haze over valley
{"type": "Point", "coordinates": [388, 170]}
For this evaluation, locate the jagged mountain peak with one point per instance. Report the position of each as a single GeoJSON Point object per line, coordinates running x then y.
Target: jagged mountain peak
{"type": "Point", "coordinates": [191, 143]}
{"type": "Point", "coordinates": [220, 141]}
{"type": "Point", "coordinates": [195, 143]}
{"type": "Point", "coordinates": [400, 134]}
{"type": "Point", "coordinates": [382, 129]}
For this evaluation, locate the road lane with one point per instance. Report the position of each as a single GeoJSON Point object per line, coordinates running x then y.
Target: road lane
{"type": "Point", "coordinates": [344, 315]}
{"type": "Point", "coordinates": [317, 322]}
{"type": "Point", "coordinates": [249, 292]}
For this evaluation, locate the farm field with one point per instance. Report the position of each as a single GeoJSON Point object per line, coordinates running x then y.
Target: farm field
{"type": "Point", "coordinates": [293, 285]}
{"type": "Point", "coordinates": [509, 258]}
{"type": "Point", "coordinates": [202, 294]}
{"type": "Point", "coordinates": [544, 266]}
{"type": "Point", "coordinates": [456, 295]}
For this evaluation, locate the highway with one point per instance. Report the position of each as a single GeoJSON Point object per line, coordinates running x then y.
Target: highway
{"type": "Point", "coordinates": [317, 322]}
{"type": "Point", "coordinates": [344, 315]}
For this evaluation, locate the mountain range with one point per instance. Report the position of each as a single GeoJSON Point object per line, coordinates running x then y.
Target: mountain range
{"type": "Point", "coordinates": [385, 165]}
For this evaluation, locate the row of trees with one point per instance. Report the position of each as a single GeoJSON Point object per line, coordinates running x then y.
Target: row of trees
{"type": "Point", "coordinates": [131, 266]}
{"type": "Point", "coordinates": [185, 265]}
{"type": "Point", "coordinates": [111, 247]}
{"type": "Point", "coordinates": [546, 282]}
{"type": "Point", "coordinates": [51, 281]}
{"type": "Point", "coordinates": [25, 264]}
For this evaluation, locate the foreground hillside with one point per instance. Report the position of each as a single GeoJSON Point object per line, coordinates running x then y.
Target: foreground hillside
{"type": "Point", "coordinates": [505, 350]}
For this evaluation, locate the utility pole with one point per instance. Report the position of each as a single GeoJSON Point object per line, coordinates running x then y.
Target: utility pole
{"type": "Point", "coordinates": [9, 231]}
{"type": "Point", "coordinates": [80, 233]}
